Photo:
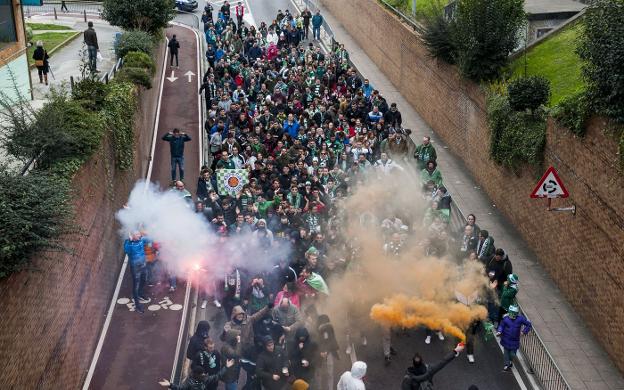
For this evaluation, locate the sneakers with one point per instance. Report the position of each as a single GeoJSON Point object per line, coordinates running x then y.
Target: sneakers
{"type": "Point", "coordinates": [204, 303]}
{"type": "Point", "coordinates": [171, 289]}
{"type": "Point", "coordinates": [217, 303]}
{"type": "Point", "coordinates": [440, 336]}
{"type": "Point", "coordinates": [348, 351]}
{"type": "Point", "coordinates": [428, 340]}
{"type": "Point", "coordinates": [364, 342]}
{"type": "Point", "coordinates": [144, 300]}
{"type": "Point", "coordinates": [387, 360]}
{"type": "Point", "coordinates": [507, 368]}
{"type": "Point", "coordinates": [470, 358]}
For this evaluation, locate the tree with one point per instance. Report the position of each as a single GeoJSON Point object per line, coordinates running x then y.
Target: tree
{"type": "Point", "coordinates": [438, 36]}
{"type": "Point", "coordinates": [484, 33]}
{"type": "Point", "coordinates": [602, 48]}
{"type": "Point", "coordinates": [146, 15]}
{"type": "Point", "coordinates": [528, 93]}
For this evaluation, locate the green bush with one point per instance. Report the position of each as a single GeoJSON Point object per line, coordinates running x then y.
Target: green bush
{"type": "Point", "coordinates": [573, 112]}
{"type": "Point", "coordinates": [528, 93]}
{"type": "Point", "coordinates": [484, 33]}
{"type": "Point", "coordinates": [517, 138]}
{"type": "Point", "coordinates": [136, 76]}
{"type": "Point", "coordinates": [602, 48]}
{"type": "Point", "coordinates": [135, 40]}
{"type": "Point", "coordinates": [137, 59]}
{"type": "Point", "coordinates": [90, 92]}
{"type": "Point", "coordinates": [438, 37]}
{"type": "Point", "coordinates": [145, 15]}
{"type": "Point", "coordinates": [118, 114]}
{"type": "Point", "coordinates": [34, 212]}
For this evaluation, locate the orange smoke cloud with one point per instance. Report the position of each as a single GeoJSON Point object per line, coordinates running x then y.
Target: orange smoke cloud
{"type": "Point", "coordinates": [409, 312]}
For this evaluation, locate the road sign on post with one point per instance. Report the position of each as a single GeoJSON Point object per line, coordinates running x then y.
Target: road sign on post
{"type": "Point", "coordinates": [550, 186]}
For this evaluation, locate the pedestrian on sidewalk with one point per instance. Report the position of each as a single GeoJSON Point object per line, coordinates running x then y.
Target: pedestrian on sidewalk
{"type": "Point", "coordinates": [306, 15]}
{"type": "Point", "coordinates": [176, 141]}
{"type": "Point", "coordinates": [317, 21]}
{"type": "Point", "coordinates": [134, 246]}
{"type": "Point", "coordinates": [174, 46]}
{"type": "Point", "coordinates": [420, 375]}
{"type": "Point", "coordinates": [239, 10]}
{"type": "Point", "coordinates": [64, 6]}
{"type": "Point", "coordinates": [509, 331]}
{"type": "Point", "coordinates": [41, 62]}
{"type": "Point", "coordinates": [90, 39]}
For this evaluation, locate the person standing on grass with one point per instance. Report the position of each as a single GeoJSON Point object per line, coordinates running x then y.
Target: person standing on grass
{"type": "Point", "coordinates": [176, 141]}
{"type": "Point", "coordinates": [174, 47]}
{"type": "Point", "coordinates": [90, 39]}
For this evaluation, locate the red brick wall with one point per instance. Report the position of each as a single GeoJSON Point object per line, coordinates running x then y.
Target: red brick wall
{"type": "Point", "coordinates": [51, 316]}
{"type": "Point", "coordinates": [584, 254]}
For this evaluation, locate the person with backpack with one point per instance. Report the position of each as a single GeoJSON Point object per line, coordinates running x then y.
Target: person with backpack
{"type": "Point", "coordinates": [420, 375]}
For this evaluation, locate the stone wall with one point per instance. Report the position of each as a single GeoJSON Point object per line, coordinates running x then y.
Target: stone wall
{"type": "Point", "coordinates": [583, 254]}
{"type": "Point", "coordinates": [51, 316]}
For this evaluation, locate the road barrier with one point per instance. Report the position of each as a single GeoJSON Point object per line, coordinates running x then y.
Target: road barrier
{"type": "Point", "coordinates": [84, 7]}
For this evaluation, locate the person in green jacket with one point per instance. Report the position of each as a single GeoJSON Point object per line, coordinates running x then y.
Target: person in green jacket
{"type": "Point", "coordinates": [425, 152]}
{"type": "Point", "coordinates": [432, 173]}
{"type": "Point", "coordinates": [508, 294]}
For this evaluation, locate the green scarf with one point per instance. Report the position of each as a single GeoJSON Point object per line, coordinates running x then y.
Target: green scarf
{"type": "Point", "coordinates": [316, 282]}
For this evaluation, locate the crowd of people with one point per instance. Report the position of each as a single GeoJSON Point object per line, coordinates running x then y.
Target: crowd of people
{"type": "Point", "coordinates": [308, 130]}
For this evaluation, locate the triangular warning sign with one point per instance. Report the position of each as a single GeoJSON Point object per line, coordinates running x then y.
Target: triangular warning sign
{"type": "Point", "coordinates": [550, 186]}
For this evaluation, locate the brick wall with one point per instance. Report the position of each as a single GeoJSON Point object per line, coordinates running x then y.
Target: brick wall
{"type": "Point", "coordinates": [584, 254]}
{"type": "Point", "coordinates": [51, 316]}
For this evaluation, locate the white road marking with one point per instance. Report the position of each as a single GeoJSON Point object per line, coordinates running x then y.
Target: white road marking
{"type": "Point", "coordinates": [172, 78]}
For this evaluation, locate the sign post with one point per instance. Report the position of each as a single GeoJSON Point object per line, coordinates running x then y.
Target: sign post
{"type": "Point", "coordinates": [551, 186]}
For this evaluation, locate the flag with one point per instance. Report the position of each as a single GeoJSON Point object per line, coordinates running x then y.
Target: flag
{"type": "Point", "coordinates": [231, 181]}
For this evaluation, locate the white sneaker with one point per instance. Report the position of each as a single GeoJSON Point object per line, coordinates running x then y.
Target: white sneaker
{"type": "Point", "coordinates": [364, 341]}
{"type": "Point", "coordinates": [349, 350]}
{"type": "Point", "coordinates": [217, 303]}
{"type": "Point", "coordinates": [204, 303]}
{"type": "Point", "coordinates": [441, 336]}
{"type": "Point", "coordinates": [171, 289]}
{"type": "Point", "coordinates": [470, 358]}
{"type": "Point", "coordinates": [428, 340]}
{"type": "Point", "coordinates": [144, 300]}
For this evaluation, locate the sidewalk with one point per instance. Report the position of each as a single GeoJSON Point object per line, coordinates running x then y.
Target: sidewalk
{"type": "Point", "coordinates": [66, 62]}
{"type": "Point", "coordinates": [583, 362]}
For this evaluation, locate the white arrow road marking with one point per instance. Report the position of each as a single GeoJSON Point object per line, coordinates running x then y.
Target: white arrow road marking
{"type": "Point", "coordinates": [190, 75]}
{"type": "Point", "coordinates": [172, 78]}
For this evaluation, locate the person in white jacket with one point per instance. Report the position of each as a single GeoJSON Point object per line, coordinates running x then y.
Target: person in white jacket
{"type": "Point", "coordinates": [272, 37]}
{"type": "Point", "coordinates": [352, 380]}
{"type": "Point", "coordinates": [386, 165]}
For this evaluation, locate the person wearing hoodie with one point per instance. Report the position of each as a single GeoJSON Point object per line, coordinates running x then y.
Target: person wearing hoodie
{"type": "Point", "coordinates": [303, 355]}
{"type": "Point", "coordinates": [244, 324]}
{"type": "Point", "coordinates": [420, 374]}
{"type": "Point", "coordinates": [231, 350]}
{"type": "Point", "coordinates": [353, 380]}
{"type": "Point", "coordinates": [272, 366]}
{"type": "Point", "coordinates": [431, 173]}
{"type": "Point", "coordinates": [198, 340]}
{"type": "Point", "coordinates": [198, 380]}
{"type": "Point", "coordinates": [508, 294]}
{"type": "Point", "coordinates": [509, 331]}
{"type": "Point", "coordinates": [328, 352]}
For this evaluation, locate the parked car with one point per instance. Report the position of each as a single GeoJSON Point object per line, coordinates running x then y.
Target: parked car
{"type": "Point", "coordinates": [186, 5]}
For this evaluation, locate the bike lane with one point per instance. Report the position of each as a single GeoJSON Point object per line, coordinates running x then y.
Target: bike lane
{"type": "Point", "coordinates": [136, 350]}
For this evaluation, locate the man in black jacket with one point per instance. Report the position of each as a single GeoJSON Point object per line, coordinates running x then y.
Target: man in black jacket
{"type": "Point", "coordinates": [420, 374]}
{"type": "Point", "coordinates": [90, 39]}
{"type": "Point", "coordinates": [272, 366]}
{"type": "Point", "coordinates": [174, 46]}
{"type": "Point", "coordinates": [176, 143]}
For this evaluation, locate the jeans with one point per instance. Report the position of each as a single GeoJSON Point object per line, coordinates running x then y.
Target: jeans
{"type": "Point", "coordinates": [139, 276]}
{"type": "Point", "coordinates": [231, 386]}
{"type": "Point", "coordinates": [177, 161]}
{"type": "Point", "coordinates": [176, 58]}
{"type": "Point", "coordinates": [316, 32]}
{"type": "Point", "coordinates": [508, 355]}
{"type": "Point", "coordinates": [92, 50]}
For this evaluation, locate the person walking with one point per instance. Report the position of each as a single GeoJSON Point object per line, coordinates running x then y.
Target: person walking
{"type": "Point", "coordinates": [239, 10]}
{"type": "Point", "coordinates": [317, 21]}
{"type": "Point", "coordinates": [306, 15]}
{"type": "Point", "coordinates": [176, 141]}
{"type": "Point", "coordinates": [134, 246]}
{"type": "Point", "coordinates": [352, 380]}
{"type": "Point", "coordinates": [174, 47]}
{"type": "Point", "coordinates": [64, 6]}
{"type": "Point", "coordinates": [41, 57]}
{"type": "Point", "coordinates": [509, 331]}
{"type": "Point", "coordinates": [90, 39]}
{"type": "Point", "coordinates": [420, 375]}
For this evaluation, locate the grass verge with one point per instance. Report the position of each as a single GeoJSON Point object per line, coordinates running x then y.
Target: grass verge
{"type": "Point", "coordinates": [47, 26]}
{"type": "Point", "coordinates": [51, 41]}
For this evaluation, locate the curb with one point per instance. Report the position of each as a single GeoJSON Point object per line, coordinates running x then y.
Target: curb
{"type": "Point", "coordinates": [60, 46]}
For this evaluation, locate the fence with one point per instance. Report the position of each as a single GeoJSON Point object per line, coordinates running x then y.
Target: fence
{"type": "Point", "coordinates": [85, 7]}
{"type": "Point", "coordinates": [405, 18]}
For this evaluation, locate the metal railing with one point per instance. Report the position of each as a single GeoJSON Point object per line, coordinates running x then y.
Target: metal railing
{"type": "Point", "coordinates": [539, 361]}
{"type": "Point", "coordinates": [108, 76]}
{"type": "Point", "coordinates": [84, 7]}
{"type": "Point", "coordinates": [405, 18]}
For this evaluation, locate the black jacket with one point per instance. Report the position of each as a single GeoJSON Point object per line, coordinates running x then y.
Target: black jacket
{"type": "Point", "coordinates": [269, 364]}
{"type": "Point", "coordinates": [196, 343]}
{"type": "Point", "coordinates": [176, 144]}
{"type": "Point", "coordinates": [90, 38]}
{"type": "Point", "coordinates": [174, 45]}
{"type": "Point", "coordinates": [416, 375]}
